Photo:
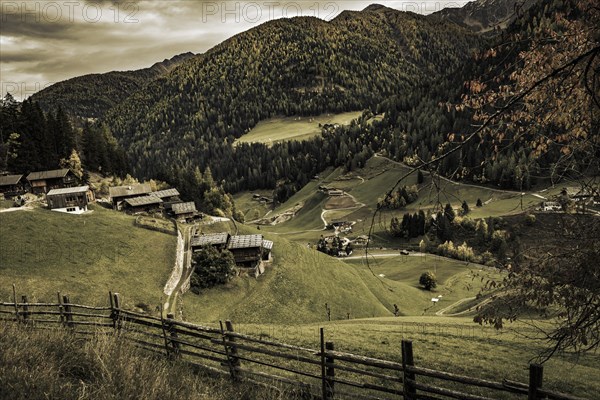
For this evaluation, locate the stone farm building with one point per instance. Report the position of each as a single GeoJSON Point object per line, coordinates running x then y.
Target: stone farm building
{"type": "Point", "coordinates": [43, 181]}
{"type": "Point", "coordinates": [72, 200]}
{"type": "Point", "coordinates": [184, 211]}
{"type": "Point", "coordinates": [119, 194]}
{"type": "Point", "coordinates": [11, 185]}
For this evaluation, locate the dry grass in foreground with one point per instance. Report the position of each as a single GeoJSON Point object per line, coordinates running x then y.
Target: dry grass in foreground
{"type": "Point", "coordinates": [48, 364]}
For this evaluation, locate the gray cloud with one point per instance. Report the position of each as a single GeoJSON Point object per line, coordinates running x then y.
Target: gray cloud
{"type": "Point", "coordinates": [49, 41]}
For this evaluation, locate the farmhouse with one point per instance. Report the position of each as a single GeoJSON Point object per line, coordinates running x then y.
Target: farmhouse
{"type": "Point", "coordinates": [70, 200]}
{"type": "Point", "coordinates": [169, 197]}
{"type": "Point", "coordinates": [11, 185]}
{"type": "Point", "coordinates": [119, 194]}
{"type": "Point", "coordinates": [141, 204]}
{"type": "Point", "coordinates": [43, 181]}
{"type": "Point", "coordinates": [184, 211]}
{"type": "Point", "coordinates": [217, 240]}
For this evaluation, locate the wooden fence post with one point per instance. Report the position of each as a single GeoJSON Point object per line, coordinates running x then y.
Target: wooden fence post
{"type": "Point", "coordinates": [16, 304]}
{"type": "Point", "coordinates": [61, 309]}
{"type": "Point", "coordinates": [410, 392]}
{"type": "Point", "coordinates": [536, 376]}
{"type": "Point", "coordinates": [25, 309]}
{"type": "Point", "coordinates": [115, 305]}
{"type": "Point", "coordinates": [329, 373]}
{"type": "Point", "coordinates": [68, 315]}
{"type": "Point", "coordinates": [173, 350]}
{"type": "Point", "coordinates": [234, 360]}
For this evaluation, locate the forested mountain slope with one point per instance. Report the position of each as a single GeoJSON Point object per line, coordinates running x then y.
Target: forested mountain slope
{"type": "Point", "coordinates": [293, 66]}
{"type": "Point", "coordinates": [90, 96]}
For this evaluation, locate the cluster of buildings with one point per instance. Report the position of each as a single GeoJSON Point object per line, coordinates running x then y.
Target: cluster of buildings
{"type": "Point", "coordinates": [140, 198]}
{"type": "Point", "coordinates": [251, 252]}
{"type": "Point", "coordinates": [65, 193]}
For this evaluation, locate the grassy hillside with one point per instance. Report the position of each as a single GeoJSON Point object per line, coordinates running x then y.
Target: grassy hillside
{"type": "Point", "coordinates": [279, 129]}
{"type": "Point", "coordinates": [85, 256]}
{"type": "Point", "coordinates": [450, 344]}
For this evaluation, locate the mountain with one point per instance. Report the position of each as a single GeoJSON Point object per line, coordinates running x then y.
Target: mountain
{"type": "Point", "coordinates": [90, 96]}
{"type": "Point", "coordinates": [486, 15]}
{"type": "Point", "coordinates": [298, 66]}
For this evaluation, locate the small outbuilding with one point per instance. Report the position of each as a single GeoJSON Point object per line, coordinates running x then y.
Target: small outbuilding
{"type": "Point", "coordinates": [72, 200]}
{"type": "Point", "coordinates": [44, 181]}
{"type": "Point", "coordinates": [184, 211]}
{"type": "Point", "coordinates": [118, 194]}
{"type": "Point", "coordinates": [267, 247]}
{"type": "Point", "coordinates": [12, 185]}
{"type": "Point", "coordinates": [136, 205]}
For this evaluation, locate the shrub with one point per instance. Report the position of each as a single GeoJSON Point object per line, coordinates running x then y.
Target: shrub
{"type": "Point", "coordinates": [530, 219]}
{"type": "Point", "coordinates": [428, 280]}
{"type": "Point", "coordinates": [212, 268]}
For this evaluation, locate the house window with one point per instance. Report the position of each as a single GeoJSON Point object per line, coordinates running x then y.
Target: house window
{"type": "Point", "coordinates": [71, 209]}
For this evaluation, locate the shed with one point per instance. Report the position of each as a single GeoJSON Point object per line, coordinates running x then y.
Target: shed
{"type": "Point", "coordinates": [267, 247]}
{"type": "Point", "coordinates": [11, 185]}
{"type": "Point", "coordinates": [335, 192]}
{"type": "Point", "coordinates": [118, 194]}
{"type": "Point", "coordinates": [70, 200]}
{"type": "Point", "coordinates": [43, 181]}
{"type": "Point", "coordinates": [140, 204]}
{"type": "Point", "coordinates": [217, 240]}
{"type": "Point", "coordinates": [184, 211]}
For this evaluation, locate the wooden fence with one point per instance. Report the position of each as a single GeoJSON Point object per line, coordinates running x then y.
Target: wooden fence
{"type": "Point", "coordinates": [323, 373]}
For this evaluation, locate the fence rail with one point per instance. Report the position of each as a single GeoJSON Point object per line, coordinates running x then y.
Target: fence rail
{"type": "Point", "coordinates": [316, 373]}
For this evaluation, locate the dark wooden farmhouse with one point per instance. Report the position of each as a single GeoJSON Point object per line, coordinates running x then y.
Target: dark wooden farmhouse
{"type": "Point", "coordinates": [184, 211]}
{"type": "Point", "coordinates": [141, 204]}
{"type": "Point", "coordinates": [217, 240]}
{"type": "Point", "coordinates": [43, 181]}
{"type": "Point", "coordinates": [119, 194]}
{"type": "Point", "coordinates": [12, 185]}
{"type": "Point", "coordinates": [72, 200]}
{"type": "Point", "coordinates": [247, 251]}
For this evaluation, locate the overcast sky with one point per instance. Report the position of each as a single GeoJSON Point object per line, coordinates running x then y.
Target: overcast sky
{"type": "Point", "coordinates": [43, 42]}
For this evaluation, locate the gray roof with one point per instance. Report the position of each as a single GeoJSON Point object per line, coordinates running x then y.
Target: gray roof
{"type": "Point", "coordinates": [143, 201]}
{"type": "Point", "coordinates": [129, 190]}
{"type": "Point", "coordinates": [55, 173]}
{"type": "Point", "coordinates": [245, 241]}
{"type": "Point", "coordinates": [72, 190]}
{"type": "Point", "coordinates": [210, 239]}
{"type": "Point", "coordinates": [184, 208]}
{"type": "Point", "coordinates": [267, 244]}
{"type": "Point", "coordinates": [10, 179]}
{"type": "Point", "coordinates": [166, 193]}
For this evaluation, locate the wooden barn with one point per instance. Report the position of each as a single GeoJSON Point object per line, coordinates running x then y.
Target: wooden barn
{"type": "Point", "coordinates": [141, 204]}
{"type": "Point", "coordinates": [43, 181]}
{"type": "Point", "coordinates": [12, 185]}
{"type": "Point", "coordinates": [217, 240]}
{"type": "Point", "coordinates": [247, 251]}
{"type": "Point", "coordinates": [184, 211]}
{"type": "Point", "coordinates": [72, 200]}
{"type": "Point", "coordinates": [118, 194]}
{"type": "Point", "coordinates": [169, 197]}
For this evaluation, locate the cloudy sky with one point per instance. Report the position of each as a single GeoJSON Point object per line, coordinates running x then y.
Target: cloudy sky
{"type": "Point", "coordinates": [43, 42]}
